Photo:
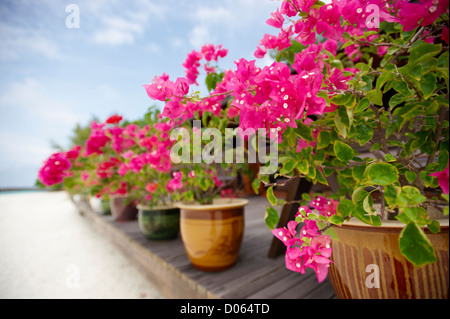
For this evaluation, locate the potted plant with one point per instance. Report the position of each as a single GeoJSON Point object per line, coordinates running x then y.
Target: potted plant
{"type": "Point", "coordinates": [103, 159]}
{"type": "Point", "coordinates": [359, 95]}
{"type": "Point", "coordinates": [148, 168]}
{"type": "Point", "coordinates": [211, 227]}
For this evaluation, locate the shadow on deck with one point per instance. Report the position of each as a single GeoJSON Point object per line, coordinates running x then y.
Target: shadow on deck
{"type": "Point", "coordinates": [254, 276]}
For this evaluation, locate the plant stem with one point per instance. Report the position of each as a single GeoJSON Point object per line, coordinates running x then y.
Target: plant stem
{"type": "Point", "coordinates": [438, 133]}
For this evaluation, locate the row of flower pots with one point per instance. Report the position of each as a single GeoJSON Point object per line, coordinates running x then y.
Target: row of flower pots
{"type": "Point", "coordinates": [211, 234]}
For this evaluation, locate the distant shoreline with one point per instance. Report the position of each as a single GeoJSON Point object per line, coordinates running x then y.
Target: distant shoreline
{"type": "Point", "coordinates": [20, 189]}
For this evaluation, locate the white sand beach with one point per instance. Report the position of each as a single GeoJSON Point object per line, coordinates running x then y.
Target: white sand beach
{"type": "Point", "coordinates": [48, 250]}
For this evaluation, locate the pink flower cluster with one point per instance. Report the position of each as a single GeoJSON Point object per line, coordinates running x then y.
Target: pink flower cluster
{"type": "Point", "coordinates": [210, 53]}
{"type": "Point", "coordinates": [359, 15]}
{"type": "Point", "coordinates": [154, 151]}
{"type": "Point", "coordinates": [175, 183]}
{"type": "Point", "coordinates": [309, 248]}
{"type": "Point", "coordinates": [97, 139]}
{"type": "Point", "coordinates": [275, 97]}
{"type": "Point", "coordinates": [54, 169]}
{"type": "Point", "coordinates": [300, 256]}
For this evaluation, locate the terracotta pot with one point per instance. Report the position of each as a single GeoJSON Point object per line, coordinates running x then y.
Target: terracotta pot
{"type": "Point", "coordinates": [121, 210]}
{"type": "Point", "coordinates": [212, 234]}
{"type": "Point", "coordinates": [159, 222]}
{"type": "Point", "coordinates": [361, 246]}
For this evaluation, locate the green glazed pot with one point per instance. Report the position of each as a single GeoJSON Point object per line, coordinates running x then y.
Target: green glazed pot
{"type": "Point", "coordinates": [106, 206]}
{"type": "Point", "coordinates": [159, 222]}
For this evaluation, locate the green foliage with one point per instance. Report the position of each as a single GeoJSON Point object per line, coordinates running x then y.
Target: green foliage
{"type": "Point", "coordinates": [389, 131]}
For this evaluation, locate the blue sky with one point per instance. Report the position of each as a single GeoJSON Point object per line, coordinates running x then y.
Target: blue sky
{"type": "Point", "coordinates": [52, 77]}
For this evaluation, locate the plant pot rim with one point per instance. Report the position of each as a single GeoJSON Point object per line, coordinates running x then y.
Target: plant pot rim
{"type": "Point", "coordinates": [393, 225]}
{"type": "Point", "coordinates": [158, 207]}
{"type": "Point", "coordinates": [218, 203]}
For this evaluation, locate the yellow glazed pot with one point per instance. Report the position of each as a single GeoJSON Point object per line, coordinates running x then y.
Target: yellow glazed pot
{"type": "Point", "coordinates": [212, 234]}
{"type": "Point", "coordinates": [368, 264]}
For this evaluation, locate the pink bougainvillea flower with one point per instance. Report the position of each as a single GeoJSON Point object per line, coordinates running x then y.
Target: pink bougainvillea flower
{"type": "Point", "coordinates": [175, 183]}
{"type": "Point", "coordinates": [309, 229]}
{"type": "Point", "coordinates": [73, 153]}
{"type": "Point", "coordinates": [303, 211]}
{"type": "Point", "coordinates": [324, 206]}
{"type": "Point", "coordinates": [443, 179]}
{"type": "Point", "coordinates": [84, 176]}
{"type": "Point", "coordinates": [54, 169]}
{"type": "Point", "coordinates": [114, 119]}
{"type": "Point", "coordinates": [160, 89]}
{"type": "Point", "coordinates": [260, 52]}
{"type": "Point", "coordinates": [151, 187]}
{"type": "Point", "coordinates": [286, 235]}
{"type": "Point", "coordinates": [181, 87]}
{"type": "Point", "coordinates": [97, 139]}
{"type": "Point", "coordinates": [318, 254]}
{"type": "Point", "coordinates": [276, 19]}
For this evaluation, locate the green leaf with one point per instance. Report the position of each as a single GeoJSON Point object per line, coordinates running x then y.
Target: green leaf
{"type": "Point", "coordinates": [343, 116]}
{"type": "Point", "coordinates": [273, 200]}
{"type": "Point", "coordinates": [410, 176]}
{"type": "Point", "coordinates": [364, 134]}
{"type": "Point", "coordinates": [256, 184]}
{"type": "Point", "coordinates": [389, 158]}
{"type": "Point", "coordinates": [341, 99]}
{"type": "Point", "coordinates": [323, 139]}
{"type": "Point", "coordinates": [343, 152]}
{"type": "Point", "coordinates": [304, 132]}
{"type": "Point", "coordinates": [362, 105]}
{"type": "Point", "coordinates": [383, 78]}
{"type": "Point", "coordinates": [415, 245]}
{"type": "Point", "coordinates": [434, 227]}
{"type": "Point", "coordinates": [428, 84]}
{"type": "Point", "coordinates": [410, 196]}
{"type": "Point", "coordinates": [358, 172]}
{"type": "Point", "coordinates": [396, 100]}
{"type": "Point", "coordinates": [330, 232]}
{"type": "Point", "coordinates": [381, 174]}
{"type": "Point", "coordinates": [375, 97]}
{"type": "Point", "coordinates": [416, 72]}
{"type": "Point", "coordinates": [336, 220]}
{"type": "Point", "coordinates": [288, 166]}
{"type": "Point", "coordinates": [423, 51]}
{"type": "Point", "coordinates": [390, 194]}
{"type": "Point", "coordinates": [303, 167]}
{"type": "Point", "coordinates": [402, 88]}
{"type": "Point", "coordinates": [345, 208]}
{"type": "Point", "coordinates": [271, 218]}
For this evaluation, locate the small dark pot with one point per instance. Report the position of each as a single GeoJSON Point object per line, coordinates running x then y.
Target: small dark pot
{"type": "Point", "coordinates": [159, 222]}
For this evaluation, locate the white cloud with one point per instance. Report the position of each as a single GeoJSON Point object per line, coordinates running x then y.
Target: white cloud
{"type": "Point", "coordinates": [198, 36]}
{"type": "Point", "coordinates": [124, 28]}
{"type": "Point", "coordinates": [16, 41]}
{"type": "Point", "coordinates": [118, 31]}
{"type": "Point", "coordinates": [212, 15]}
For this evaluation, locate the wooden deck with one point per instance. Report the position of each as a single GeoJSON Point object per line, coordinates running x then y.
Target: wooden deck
{"type": "Point", "coordinates": [254, 276]}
